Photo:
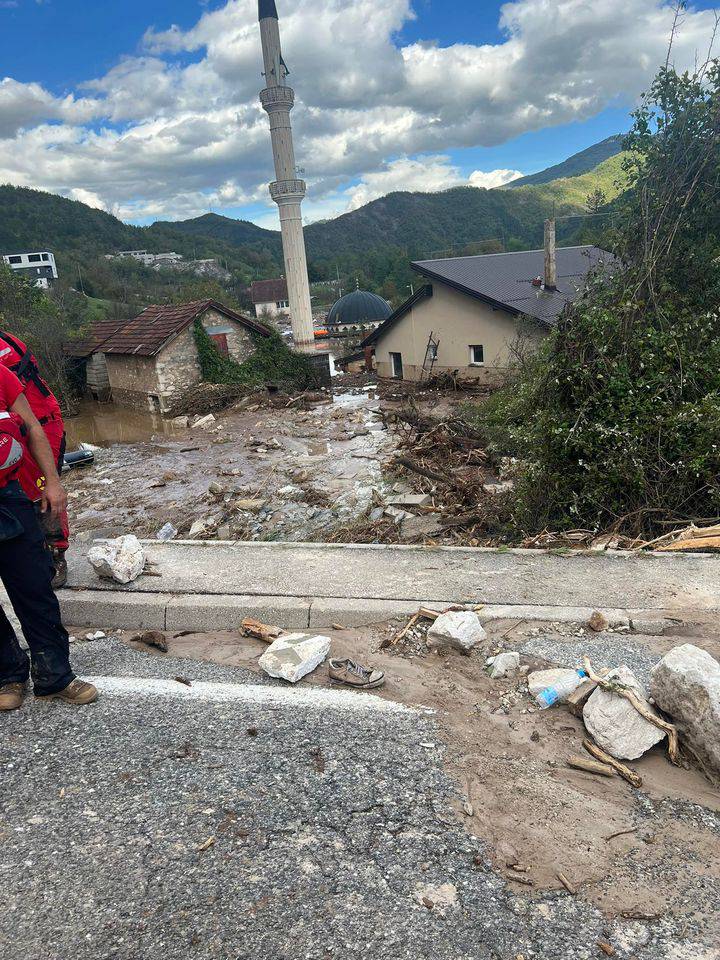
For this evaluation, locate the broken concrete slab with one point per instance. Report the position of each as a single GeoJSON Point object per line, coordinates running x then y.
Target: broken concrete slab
{"type": "Point", "coordinates": [407, 499]}
{"type": "Point", "coordinates": [456, 630]}
{"type": "Point", "coordinates": [615, 724]}
{"type": "Point", "coordinates": [294, 655]}
{"type": "Point", "coordinates": [686, 685]}
{"type": "Point", "coordinates": [121, 560]}
{"type": "Point", "coordinates": [207, 421]}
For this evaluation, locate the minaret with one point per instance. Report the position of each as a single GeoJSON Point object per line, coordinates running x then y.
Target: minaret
{"type": "Point", "coordinates": [287, 190]}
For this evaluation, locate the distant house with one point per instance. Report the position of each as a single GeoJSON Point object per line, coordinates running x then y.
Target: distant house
{"type": "Point", "coordinates": [269, 296]}
{"type": "Point", "coordinates": [472, 311]}
{"type": "Point", "coordinates": [152, 359]}
{"type": "Point", "coordinates": [38, 266]}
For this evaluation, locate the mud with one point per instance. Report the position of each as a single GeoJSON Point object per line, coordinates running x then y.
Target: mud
{"type": "Point", "coordinates": [313, 470]}
{"type": "Point", "coordinates": [642, 854]}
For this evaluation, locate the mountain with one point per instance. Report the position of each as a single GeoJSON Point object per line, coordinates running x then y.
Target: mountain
{"type": "Point", "coordinates": [374, 242]}
{"type": "Point", "coordinates": [236, 232]}
{"type": "Point", "coordinates": [574, 166]}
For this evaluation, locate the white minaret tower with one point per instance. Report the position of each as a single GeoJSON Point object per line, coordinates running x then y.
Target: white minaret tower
{"type": "Point", "coordinates": [287, 190]}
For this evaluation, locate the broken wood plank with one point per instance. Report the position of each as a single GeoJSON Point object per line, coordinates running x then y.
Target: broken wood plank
{"type": "Point", "coordinates": [590, 766]}
{"type": "Point", "coordinates": [261, 631]}
{"type": "Point", "coordinates": [634, 779]}
{"type": "Point", "coordinates": [606, 948]}
{"type": "Point", "coordinates": [578, 698]}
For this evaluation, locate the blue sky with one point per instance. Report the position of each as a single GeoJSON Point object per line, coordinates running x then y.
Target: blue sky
{"type": "Point", "coordinates": [149, 109]}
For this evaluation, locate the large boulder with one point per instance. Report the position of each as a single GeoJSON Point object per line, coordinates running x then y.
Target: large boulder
{"type": "Point", "coordinates": [294, 655]}
{"type": "Point", "coordinates": [615, 723]}
{"type": "Point", "coordinates": [122, 560]}
{"type": "Point", "coordinates": [457, 630]}
{"type": "Point", "coordinates": [686, 684]}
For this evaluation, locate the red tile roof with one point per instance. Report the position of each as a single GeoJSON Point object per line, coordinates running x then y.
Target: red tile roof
{"type": "Point", "coordinates": [157, 325]}
{"type": "Point", "coordinates": [268, 291]}
{"type": "Point", "coordinates": [99, 331]}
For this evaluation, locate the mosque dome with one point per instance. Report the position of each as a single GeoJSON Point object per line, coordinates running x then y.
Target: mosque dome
{"type": "Point", "coordinates": [358, 309]}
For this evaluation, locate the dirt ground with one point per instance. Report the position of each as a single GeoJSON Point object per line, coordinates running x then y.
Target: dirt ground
{"type": "Point", "coordinates": [636, 853]}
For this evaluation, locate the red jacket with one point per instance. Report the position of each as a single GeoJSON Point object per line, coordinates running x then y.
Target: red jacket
{"type": "Point", "coordinates": [15, 355]}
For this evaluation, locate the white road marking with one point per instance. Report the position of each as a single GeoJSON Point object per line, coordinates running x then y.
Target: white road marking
{"type": "Point", "coordinates": [248, 693]}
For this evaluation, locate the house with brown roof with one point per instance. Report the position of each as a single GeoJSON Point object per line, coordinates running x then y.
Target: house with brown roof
{"type": "Point", "coordinates": [152, 359]}
{"type": "Point", "coordinates": [269, 297]}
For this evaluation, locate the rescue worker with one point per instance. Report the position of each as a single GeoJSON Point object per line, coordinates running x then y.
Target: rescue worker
{"type": "Point", "coordinates": [15, 355]}
{"type": "Point", "coordinates": [26, 567]}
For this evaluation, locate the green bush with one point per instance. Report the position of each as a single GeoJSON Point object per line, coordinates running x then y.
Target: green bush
{"type": "Point", "coordinates": [271, 362]}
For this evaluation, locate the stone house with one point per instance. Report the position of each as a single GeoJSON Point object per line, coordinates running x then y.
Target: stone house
{"type": "Point", "coordinates": [473, 313]}
{"type": "Point", "coordinates": [151, 360]}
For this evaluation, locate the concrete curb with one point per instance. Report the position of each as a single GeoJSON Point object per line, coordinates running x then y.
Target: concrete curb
{"type": "Point", "coordinates": [199, 612]}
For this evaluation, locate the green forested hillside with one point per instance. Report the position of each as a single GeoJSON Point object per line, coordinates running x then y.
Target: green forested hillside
{"type": "Point", "coordinates": [574, 166]}
{"type": "Point", "coordinates": [374, 244]}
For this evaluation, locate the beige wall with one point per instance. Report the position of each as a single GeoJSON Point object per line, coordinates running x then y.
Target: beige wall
{"type": "Point", "coordinates": [457, 321]}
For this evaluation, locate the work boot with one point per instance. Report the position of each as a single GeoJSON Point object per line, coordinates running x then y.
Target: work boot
{"type": "Point", "coordinates": [12, 696]}
{"type": "Point", "coordinates": [60, 564]}
{"type": "Point", "coordinates": [355, 675]}
{"type": "Point", "coordinates": [78, 693]}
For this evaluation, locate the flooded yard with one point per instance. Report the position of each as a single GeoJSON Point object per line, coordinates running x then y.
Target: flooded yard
{"type": "Point", "coordinates": [260, 473]}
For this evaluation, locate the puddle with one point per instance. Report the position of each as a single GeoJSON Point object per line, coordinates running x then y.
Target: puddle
{"type": "Point", "coordinates": [104, 424]}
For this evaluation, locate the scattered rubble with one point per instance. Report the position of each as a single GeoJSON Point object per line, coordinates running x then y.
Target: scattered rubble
{"type": "Point", "coordinates": [456, 630]}
{"type": "Point", "coordinates": [686, 685]}
{"type": "Point", "coordinates": [122, 560]}
{"type": "Point", "coordinates": [294, 655]}
{"type": "Point", "coordinates": [615, 723]}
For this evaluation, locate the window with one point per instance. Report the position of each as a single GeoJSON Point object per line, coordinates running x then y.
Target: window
{"type": "Point", "coordinates": [477, 355]}
{"type": "Point", "coordinates": [45, 256]}
{"type": "Point", "coordinates": [14, 259]}
{"type": "Point", "coordinates": [396, 365]}
{"type": "Point", "coordinates": [282, 304]}
{"type": "Point", "coordinates": [220, 341]}
{"type": "Point", "coordinates": [34, 258]}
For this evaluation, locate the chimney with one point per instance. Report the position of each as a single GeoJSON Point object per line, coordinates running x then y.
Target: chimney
{"type": "Point", "coordinates": [550, 264]}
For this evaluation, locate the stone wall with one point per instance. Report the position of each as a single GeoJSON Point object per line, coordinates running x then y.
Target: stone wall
{"type": "Point", "coordinates": [96, 376]}
{"type": "Point", "coordinates": [156, 382]}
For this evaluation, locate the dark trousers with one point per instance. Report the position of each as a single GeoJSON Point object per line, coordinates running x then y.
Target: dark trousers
{"type": "Point", "coordinates": [26, 570]}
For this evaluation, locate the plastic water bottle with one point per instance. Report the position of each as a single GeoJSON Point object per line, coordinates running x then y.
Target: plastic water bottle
{"type": "Point", "coordinates": [550, 695]}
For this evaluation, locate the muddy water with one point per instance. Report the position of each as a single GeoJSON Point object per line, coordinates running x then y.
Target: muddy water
{"type": "Point", "coordinates": [105, 424]}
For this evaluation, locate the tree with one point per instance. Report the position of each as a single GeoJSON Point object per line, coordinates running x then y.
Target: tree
{"type": "Point", "coordinates": [617, 418]}
{"type": "Point", "coordinates": [596, 200]}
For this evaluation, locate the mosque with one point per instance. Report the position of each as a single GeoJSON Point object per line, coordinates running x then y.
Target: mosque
{"type": "Point", "coordinates": [356, 312]}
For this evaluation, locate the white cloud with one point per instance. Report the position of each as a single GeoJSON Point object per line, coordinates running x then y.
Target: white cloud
{"type": "Point", "coordinates": [492, 178]}
{"type": "Point", "coordinates": [158, 136]}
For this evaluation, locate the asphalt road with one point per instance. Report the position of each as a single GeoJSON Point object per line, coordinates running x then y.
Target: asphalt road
{"type": "Point", "coordinates": [329, 826]}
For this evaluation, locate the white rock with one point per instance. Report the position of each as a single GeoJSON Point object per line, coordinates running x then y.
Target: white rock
{"type": "Point", "coordinates": [206, 421]}
{"type": "Point", "coordinates": [686, 684]}
{"type": "Point", "coordinates": [559, 677]}
{"type": "Point", "coordinates": [293, 656]}
{"type": "Point", "coordinates": [458, 630]}
{"type": "Point", "coordinates": [122, 559]}
{"type": "Point", "coordinates": [615, 724]}
{"type": "Point", "coordinates": [166, 532]}
{"type": "Point", "coordinates": [99, 635]}
{"type": "Point", "coordinates": [201, 527]}
{"type": "Point", "coordinates": [504, 665]}
{"type": "Point", "coordinates": [408, 499]}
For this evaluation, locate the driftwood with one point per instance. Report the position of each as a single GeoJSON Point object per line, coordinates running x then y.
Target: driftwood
{"type": "Point", "coordinates": [642, 708]}
{"type": "Point", "coordinates": [566, 883]}
{"type": "Point", "coordinates": [422, 471]}
{"type": "Point", "coordinates": [590, 766]}
{"type": "Point", "coordinates": [261, 631]}
{"type": "Point", "coordinates": [625, 772]}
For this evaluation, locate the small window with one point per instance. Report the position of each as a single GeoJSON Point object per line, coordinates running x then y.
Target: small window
{"type": "Point", "coordinates": [46, 256]}
{"type": "Point", "coordinates": [14, 259]}
{"type": "Point", "coordinates": [34, 258]}
{"type": "Point", "coordinates": [477, 354]}
{"type": "Point", "coordinates": [281, 304]}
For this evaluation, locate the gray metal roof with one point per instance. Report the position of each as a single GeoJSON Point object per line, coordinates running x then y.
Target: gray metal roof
{"type": "Point", "coordinates": [505, 279]}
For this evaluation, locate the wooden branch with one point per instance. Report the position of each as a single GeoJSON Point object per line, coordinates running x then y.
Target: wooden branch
{"type": "Point", "coordinates": [590, 766]}
{"type": "Point", "coordinates": [642, 708]}
{"type": "Point", "coordinates": [625, 772]}
{"type": "Point", "coordinates": [422, 471]}
{"type": "Point", "coordinates": [566, 883]}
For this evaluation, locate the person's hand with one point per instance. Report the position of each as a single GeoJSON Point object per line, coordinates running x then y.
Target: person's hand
{"type": "Point", "coordinates": [54, 498]}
